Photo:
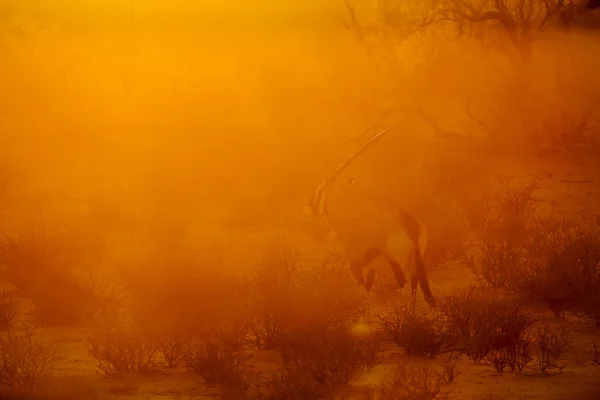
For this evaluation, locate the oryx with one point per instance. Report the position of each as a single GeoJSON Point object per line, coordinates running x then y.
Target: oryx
{"type": "Point", "coordinates": [366, 231]}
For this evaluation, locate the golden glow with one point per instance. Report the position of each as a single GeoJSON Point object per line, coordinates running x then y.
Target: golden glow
{"type": "Point", "coordinates": [153, 133]}
{"type": "Point", "coordinates": [238, 100]}
{"type": "Point", "coordinates": [176, 14]}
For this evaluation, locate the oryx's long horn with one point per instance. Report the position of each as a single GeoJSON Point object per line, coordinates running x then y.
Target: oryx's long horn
{"type": "Point", "coordinates": [358, 152]}
{"type": "Point", "coordinates": [317, 204]}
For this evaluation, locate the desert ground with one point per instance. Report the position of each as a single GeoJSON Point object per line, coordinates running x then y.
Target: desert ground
{"type": "Point", "coordinates": [171, 225]}
{"type": "Point", "coordinates": [74, 371]}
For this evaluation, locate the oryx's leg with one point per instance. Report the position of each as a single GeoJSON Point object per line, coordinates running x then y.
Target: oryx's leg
{"type": "Point", "coordinates": [368, 257]}
{"type": "Point", "coordinates": [397, 270]}
{"type": "Point", "coordinates": [370, 279]}
{"type": "Point", "coordinates": [357, 270]}
{"type": "Point", "coordinates": [357, 266]}
{"type": "Point", "coordinates": [369, 285]}
{"type": "Point", "coordinates": [414, 283]}
{"type": "Point", "coordinates": [397, 250]}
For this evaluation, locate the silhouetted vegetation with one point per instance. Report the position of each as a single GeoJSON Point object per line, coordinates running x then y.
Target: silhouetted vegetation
{"type": "Point", "coordinates": [550, 345]}
{"type": "Point", "coordinates": [553, 262]}
{"type": "Point", "coordinates": [44, 265]}
{"type": "Point", "coordinates": [417, 333]}
{"type": "Point", "coordinates": [485, 325]}
{"type": "Point", "coordinates": [120, 347]}
{"type": "Point", "coordinates": [25, 364]}
{"type": "Point", "coordinates": [145, 163]}
{"type": "Point", "coordinates": [451, 368]}
{"type": "Point", "coordinates": [593, 354]}
{"type": "Point", "coordinates": [9, 312]}
{"type": "Point", "coordinates": [219, 360]}
{"type": "Point", "coordinates": [409, 383]}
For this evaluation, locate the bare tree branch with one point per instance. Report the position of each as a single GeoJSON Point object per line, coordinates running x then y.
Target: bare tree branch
{"type": "Point", "coordinates": [521, 20]}
{"type": "Point", "coordinates": [353, 26]}
{"type": "Point", "coordinates": [479, 121]}
{"type": "Point", "coordinates": [395, 24]}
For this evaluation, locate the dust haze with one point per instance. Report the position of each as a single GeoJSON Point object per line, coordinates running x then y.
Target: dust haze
{"type": "Point", "coordinates": [155, 158]}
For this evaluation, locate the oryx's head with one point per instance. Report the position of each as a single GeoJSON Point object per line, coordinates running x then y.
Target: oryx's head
{"type": "Point", "coordinates": [316, 211]}
{"type": "Point", "coordinates": [317, 205]}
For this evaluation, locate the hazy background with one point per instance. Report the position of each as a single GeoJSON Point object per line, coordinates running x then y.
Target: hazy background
{"type": "Point", "coordinates": [155, 157]}
{"type": "Point", "coordinates": [217, 108]}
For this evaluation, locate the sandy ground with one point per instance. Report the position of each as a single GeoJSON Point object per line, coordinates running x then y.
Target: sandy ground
{"type": "Point", "coordinates": [76, 370]}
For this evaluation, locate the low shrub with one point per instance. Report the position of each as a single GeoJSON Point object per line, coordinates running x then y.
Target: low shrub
{"type": "Point", "coordinates": [502, 248]}
{"type": "Point", "coordinates": [481, 322]}
{"type": "Point", "coordinates": [515, 356]}
{"type": "Point", "coordinates": [294, 384]}
{"type": "Point", "coordinates": [24, 364]}
{"type": "Point", "coordinates": [408, 383]}
{"type": "Point", "coordinates": [172, 348]}
{"type": "Point", "coordinates": [43, 266]}
{"type": "Point", "coordinates": [121, 346]}
{"type": "Point", "coordinates": [589, 310]}
{"type": "Point", "coordinates": [550, 346]}
{"type": "Point", "coordinates": [540, 258]}
{"type": "Point", "coordinates": [219, 362]}
{"type": "Point", "coordinates": [593, 354]}
{"type": "Point", "coordinates": [291, 299]}
{"type": "Point", "coordinates": [217, 352]}
{"type": "Point", "coordinates": [417, 333]}
{"type": "Point", "coordinates": [8, 309]}
{"type": "Point", "coordinates": [183, 296]}
{"type": "Point", "coordinates": [304, 313]}
{"type": "Point", "coordinates": [562, 271]}
{"type": "Point", "coordinates": [451, 368]}
{"type": "Point", "coordinates": [273, 285]}
{"type": "Point", "coordinates": [210, 329]}
{"type": "Point", "coordinates": [331, 358]}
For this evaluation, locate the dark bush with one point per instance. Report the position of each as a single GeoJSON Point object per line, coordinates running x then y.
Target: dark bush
{"type": "Point", "coordinates": [172, 347]}
{"type": "Point", "coordinates": [212, 342]}
{"type": "Point", "coordinates": [417, 333]}
{"type": "Point", "coordinates": [219, 361]}
{"type": "Point", "coordinates": [274, 284]}
{"type": "Point", "coordinates": [179, 294]}
{"type": "Point", "coordinates": [325, 296]}
{"type": "Point", "coordinates": [505, 233]}
{"type": "Point", "coordinates": [562, 271]}
{"type": "Point", "coordinates": [589, 310]}
{"type": "Point", "coordinates": [497, 264]}
{"type": "Point", "coordinates": [481, 322]}
{"type": "Point", "coordinates": [515, 356]}
{"type": "Point", "coordinates": [447, 206]}
{"type": "Point", "coordinates": [331, 357]}
{"type": "Point", "coordinates": [305, 314]}
{"type": "Point", "coordinates": [43, 266]}
{"type": "Point", "coordinates": [294, 384]}
{"type": "Point", "coordinates": [24, 364]}
{"type": "Point", "coordinates": [121, 346]}
{"type": "Point", "coordinates": [8, 309]}
{"type": "Point", "coordinates": [550, 346]}
{"type": "Point", "coordinates": [593, 354]}
{"type": "Point", "coordinates": [290, 299]}
{"type": "Point", "coordinates": [408, 383]}
{"type": "Point", "coordinates": [451, 368]}
{"type": "Point", "coordinates": [199, 316]}
{"type": "Point", "coordinates": [543, 259]}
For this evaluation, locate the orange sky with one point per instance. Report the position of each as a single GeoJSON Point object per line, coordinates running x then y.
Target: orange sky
{"type": "Point", "coordinates": [209, 13]}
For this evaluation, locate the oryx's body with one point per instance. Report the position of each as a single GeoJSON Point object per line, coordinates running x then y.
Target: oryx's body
{"type": "Point", "coordinates": [363, 228]}
{"type": "Point", "coordinates": [368, 232]}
